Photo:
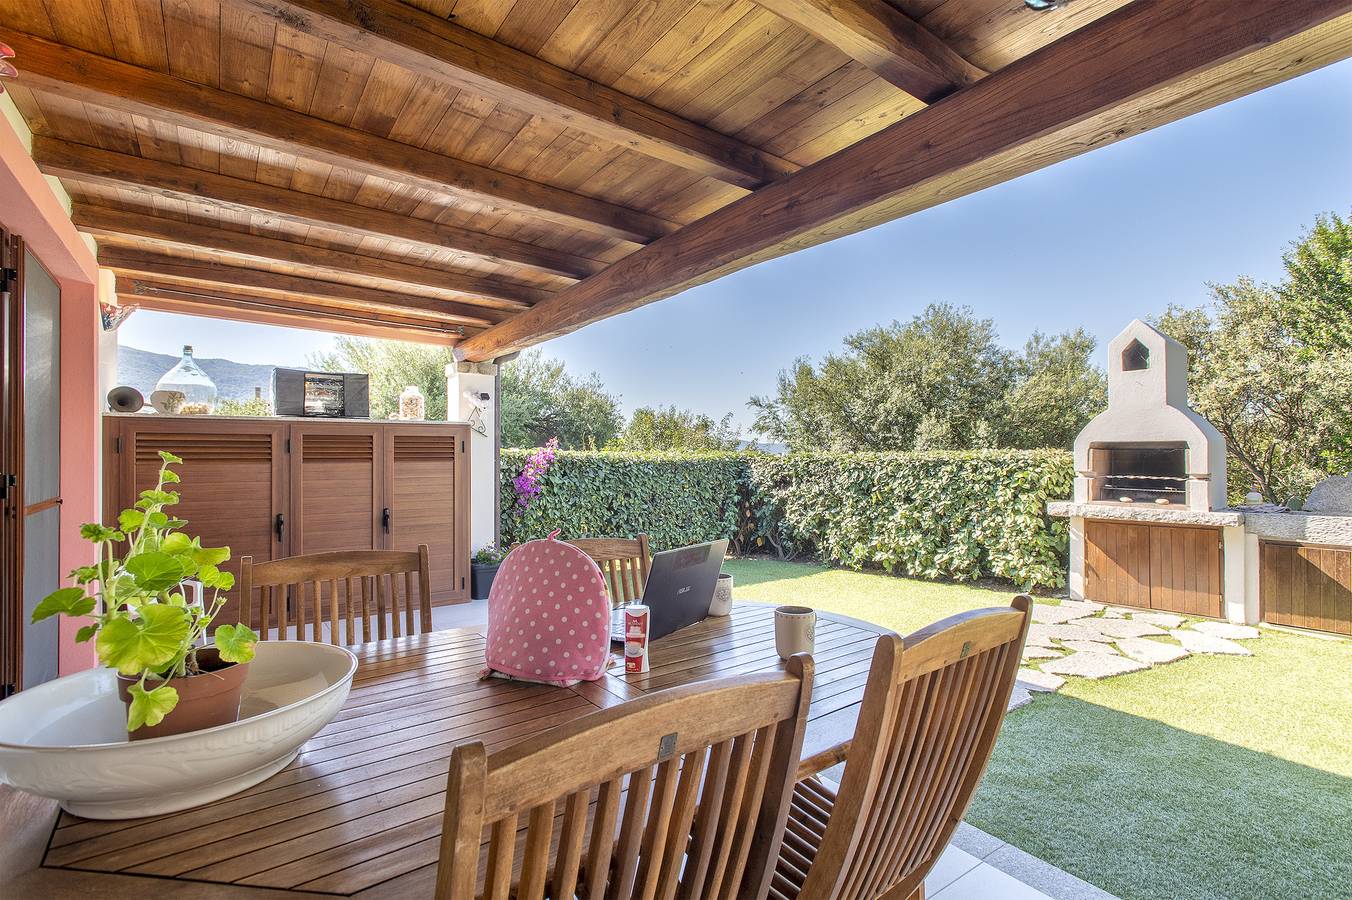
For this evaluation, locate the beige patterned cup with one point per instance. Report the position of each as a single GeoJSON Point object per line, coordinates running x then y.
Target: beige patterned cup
{"type": "Point", "coordinates": [795, 630]}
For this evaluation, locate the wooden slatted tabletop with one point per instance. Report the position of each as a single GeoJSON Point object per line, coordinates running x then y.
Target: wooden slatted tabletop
{"type": "Point", "coordinates": [359, 811]}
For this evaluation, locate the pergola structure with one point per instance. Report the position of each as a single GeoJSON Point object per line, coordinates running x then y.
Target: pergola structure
{"type": "Point", "coordinates": [493, 174]}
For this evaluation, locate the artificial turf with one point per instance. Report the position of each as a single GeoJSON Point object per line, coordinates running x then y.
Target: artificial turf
{"type": "Point", "coordinates": [1210, 777]}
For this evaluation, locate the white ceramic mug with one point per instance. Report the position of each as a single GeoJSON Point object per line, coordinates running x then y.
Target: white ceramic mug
{"type": "Point", "coordinates": [795, 630]}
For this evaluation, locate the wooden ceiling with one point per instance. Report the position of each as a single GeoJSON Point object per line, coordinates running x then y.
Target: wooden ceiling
{"type": "Point", "coordinates": [495, 172]}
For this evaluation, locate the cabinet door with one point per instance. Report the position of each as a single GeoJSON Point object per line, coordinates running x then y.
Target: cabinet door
{"type": "Point", "coordinates": [1185, 570]}
{"type": "Point", "coordinates": [427, 495]}
{"type": "Point", "coordinates": [232, 489]}
{"type": "Point", "coordinates": [335, 488]}
{"type": "Point", "coordinates": [1117, 563]}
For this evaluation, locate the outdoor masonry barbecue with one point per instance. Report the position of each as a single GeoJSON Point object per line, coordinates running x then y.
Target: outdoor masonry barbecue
{"type": "Point", "coordinates": [1150, 526]}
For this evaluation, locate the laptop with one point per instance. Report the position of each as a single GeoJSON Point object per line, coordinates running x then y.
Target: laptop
{"type": "Point", "coordinates": [679, 589]}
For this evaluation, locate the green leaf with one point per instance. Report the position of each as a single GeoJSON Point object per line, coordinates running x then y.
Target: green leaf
{"type": "Point", "coordinates": [130, 519]}
{"type": "Point", "coordinates": [236, 643]}
{"type": "Point", "coordinates": [149, 707]}
{"type": "Point", "coordinates": [155, 571]}
{"type": "Point", "coordinates": [93, 531]}
{"type": "Point", "coordinates": [176, 543]}
{"type": "Point", "coordinates": [211, 556]}
{"type": "Point", "coordinates": [170, 476]}
{"type": "Point", "coordinates": [212, 577]}
{"type": "Point", "coordinates": [149, 642]}
{"type": "Point", "coordinates": [160, 498]}
{"type": "Point", "coordinates": [85, 633]}
{"type": "Point", "coordinates": [71, 601]}
{"type": "Point", "coordinates": [170, 458]}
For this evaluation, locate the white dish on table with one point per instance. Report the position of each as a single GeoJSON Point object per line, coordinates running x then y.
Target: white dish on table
{"type": "Point", "coordinates": [67, 739]}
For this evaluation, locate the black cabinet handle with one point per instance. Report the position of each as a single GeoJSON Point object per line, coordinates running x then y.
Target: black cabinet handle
{"type": "Point", "coordinates": [281, 527]}
{"type": "Point", "coordinates": [385, 520]}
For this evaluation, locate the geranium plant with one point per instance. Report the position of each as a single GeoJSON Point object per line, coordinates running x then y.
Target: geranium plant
{"type": "Point", "coordinates": [143, 625]}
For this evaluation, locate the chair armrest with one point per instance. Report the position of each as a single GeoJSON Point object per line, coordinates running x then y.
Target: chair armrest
{"type": "Point", "coordinates": [820, 762]}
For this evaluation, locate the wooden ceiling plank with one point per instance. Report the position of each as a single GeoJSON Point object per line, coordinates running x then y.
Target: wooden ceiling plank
{"type": "Point", "coordinates": [91, 164]}
{"type": "Point", "coordinates": [76, 74]}
{"type": "Point", "coordinates": [184, 271]}
{"type": "Point", "coordinates": [878, 35]}
{"type": "Point", "coordinates": [287, 316]}
{"type": "Point", "coordinates": [1134, 69]}
{"type": "Point", "coordinates": [107, 223]}
{"type": "Point", "coordinates": [430, 45]}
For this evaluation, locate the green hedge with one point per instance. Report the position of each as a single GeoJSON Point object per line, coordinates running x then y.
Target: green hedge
{"type": "Point", "coordinates": [960, 515]}
{"type": "Point", "coordinates": [675, 498]}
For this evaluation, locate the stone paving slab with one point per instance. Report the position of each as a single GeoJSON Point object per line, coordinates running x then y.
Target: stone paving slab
{"type": "Point", "coordinates": [1047, 614]}
{"type": "Point", "coordinates": [1088, 647]}
{"type": "Point", "coordinates": [1153, 652]}
{"type": "Point", "coordinates": [1093, 665]}
{"type": "Point", "coordinates": [1034, 680]}
{"type": "Point", "coordinates": [1199, 642]}
{"type": "Point", "coordinates": [1163, 620]}
{"type": "Point", "coordinates": [1114, 614]}
{"type": "Point", "coordinates": [1018, 697]}
{"type": "Point", "coordinates": [1040, 653]}
{"type": "Point", "coordinates": [1228, 630]}
{"type": "Point", "coordinates": [1123, 628]}
{"type": "Point", "coordinates": [1075, 631]}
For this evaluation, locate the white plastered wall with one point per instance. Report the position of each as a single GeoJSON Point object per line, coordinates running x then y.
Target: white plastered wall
{"type": "Point", "coordinates": [478, 378]}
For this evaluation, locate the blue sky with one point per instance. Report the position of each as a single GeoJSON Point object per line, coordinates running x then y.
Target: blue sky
{"type": "Point", "coordinates": [1096, 241]}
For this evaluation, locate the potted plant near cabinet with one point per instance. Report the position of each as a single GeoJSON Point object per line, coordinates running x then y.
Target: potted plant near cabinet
{"type": "Point", "coordinates": [143, 624]}
{"type": "Point", "coordinates": [483, 567]}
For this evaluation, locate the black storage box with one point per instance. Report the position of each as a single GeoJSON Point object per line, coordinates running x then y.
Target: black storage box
{"type": "Point", "coordinates": [296, 392]}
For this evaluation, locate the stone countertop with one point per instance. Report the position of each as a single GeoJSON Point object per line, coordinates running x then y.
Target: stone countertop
{"type": "Point", "coordinates": [312, 420]}
{"type": "Point", "coordinates": [1145, 512]}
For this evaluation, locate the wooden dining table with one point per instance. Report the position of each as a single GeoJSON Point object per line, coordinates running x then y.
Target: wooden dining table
{"type": "Point", "coordinates": [358, 812]}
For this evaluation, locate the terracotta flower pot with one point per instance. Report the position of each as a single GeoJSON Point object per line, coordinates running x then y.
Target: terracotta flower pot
{"type": "Point", "coordinates": [205, 700]}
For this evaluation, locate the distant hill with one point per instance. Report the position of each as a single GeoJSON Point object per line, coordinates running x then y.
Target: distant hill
{"type": "Point", "coordinates": [234, 381]}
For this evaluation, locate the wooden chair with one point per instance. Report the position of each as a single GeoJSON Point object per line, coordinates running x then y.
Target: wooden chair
{"type": "Point", "coordinates": [357, 589]}
{"type": "Point", "coordinates": [624, 563]}
{"type": "Point", "coordinates": [686, 790]}
{"type": "Point", "coordinates": [932, 709]}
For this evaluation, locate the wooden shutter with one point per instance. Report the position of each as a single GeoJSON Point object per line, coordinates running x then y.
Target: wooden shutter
{"type": "Point", "coordinates": [232, 484]}
{"type": "Point", "coordinates": [335, 488]}
{"type": "Point", "coordinates": [427, 493]}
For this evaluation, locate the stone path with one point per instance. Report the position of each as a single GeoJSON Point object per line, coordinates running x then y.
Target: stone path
{"type": "Point", "coordinates": [1082, 639]}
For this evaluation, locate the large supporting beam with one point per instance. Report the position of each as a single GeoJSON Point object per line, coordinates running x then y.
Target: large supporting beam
{"type": "Point", "coordinates": [75, 74]}
{"type": "Point", "coordinates": [216, 276]}
{"type": "Point", "coordinates": [106, 223]}
{"type": "Point", "coordinates": [290, 314]}
{"type": "Point", "coordinates": [886, 40]}
{"type": "Point", "coordinates": [106, 167]}
{"type": "Point", "coordinates": [1146, 64]}
{"type": "Point", "coordinates": [430, 45]}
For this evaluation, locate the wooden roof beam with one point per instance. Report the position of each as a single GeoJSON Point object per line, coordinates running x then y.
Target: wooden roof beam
{"type": "Point", "coordinates": [217, 276]}
{"type": "Point", "coordinates": [78, 75]}
{"type": "Point", "coordinates": [106, 223]}
{"type": "Point", "coordinates": [106, 167]}
{"type": "Point", "coordinates": [430, 45]}
{"type": "Point", "coordinates": [884, 39]}
{"type": "Point", "coordinates": [148, 294]}
{"type": "Point", "coordinates": [1134, 69]}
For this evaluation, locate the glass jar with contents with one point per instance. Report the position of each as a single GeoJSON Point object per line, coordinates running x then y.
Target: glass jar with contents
{"type": "Point", "coordinates": [412, 404]}
{"type": "Point", "coordinates": [188, 379]}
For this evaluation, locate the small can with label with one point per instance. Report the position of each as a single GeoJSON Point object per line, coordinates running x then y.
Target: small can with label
{"type": "Point", "coordinates": [636, 639]}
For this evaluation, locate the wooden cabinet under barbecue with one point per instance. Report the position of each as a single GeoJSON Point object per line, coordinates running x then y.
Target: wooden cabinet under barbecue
{"type": "Point", "coordinates": [1170, 568]}
{"type": "Point", "coordinates": [275, 487]}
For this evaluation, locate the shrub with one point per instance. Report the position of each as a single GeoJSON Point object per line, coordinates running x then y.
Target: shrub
{"type": "Point", "coordinates": [960, 515]}
{"type": "Point", "coordinates": [675, 498]}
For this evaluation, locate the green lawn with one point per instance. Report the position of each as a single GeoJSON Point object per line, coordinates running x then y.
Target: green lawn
{"type": "Point", "coordinates": [1212, 777]}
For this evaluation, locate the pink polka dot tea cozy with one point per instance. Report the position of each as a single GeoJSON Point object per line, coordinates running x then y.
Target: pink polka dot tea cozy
{"type": "Point", "coordinates": [548, 615]}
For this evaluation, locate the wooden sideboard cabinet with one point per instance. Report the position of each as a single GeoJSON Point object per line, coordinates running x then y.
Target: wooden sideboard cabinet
{"type": "Point", "coordinates": [275, 487]}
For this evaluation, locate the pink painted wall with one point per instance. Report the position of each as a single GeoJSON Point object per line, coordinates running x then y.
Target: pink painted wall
{"type": "Point", "coordinates": [31, 210]}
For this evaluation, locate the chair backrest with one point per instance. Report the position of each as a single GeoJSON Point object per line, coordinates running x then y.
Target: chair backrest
{"type": "Point", "coordinates": [361, 595]}
{"type": "Point", "coordinates": [624, 564]}
{"type": "Point", "coordinates": [686, 791]}
{"type": "Point", "coordinates": [932, 709]}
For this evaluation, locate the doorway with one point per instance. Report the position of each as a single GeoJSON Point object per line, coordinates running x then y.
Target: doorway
{"type": "Point", "coordinates": [30, 465]}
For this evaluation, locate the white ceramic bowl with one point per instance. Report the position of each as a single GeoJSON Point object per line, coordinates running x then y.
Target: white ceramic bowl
{"type": "Point", "coordinates": [67, 739]}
